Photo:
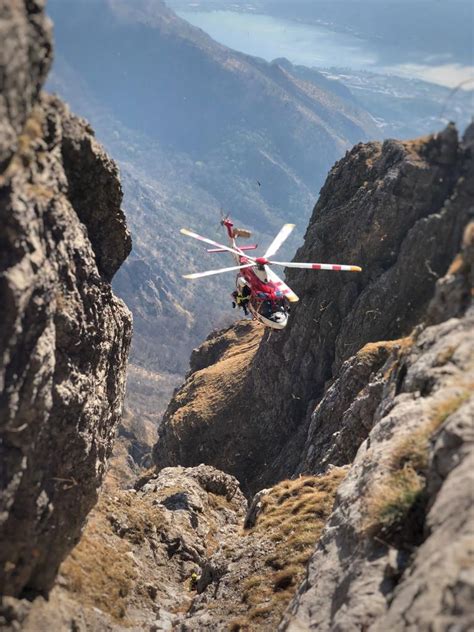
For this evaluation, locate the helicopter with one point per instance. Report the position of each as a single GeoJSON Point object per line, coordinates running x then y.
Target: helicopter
{"type": "Point", "coordinates": [268, 296]}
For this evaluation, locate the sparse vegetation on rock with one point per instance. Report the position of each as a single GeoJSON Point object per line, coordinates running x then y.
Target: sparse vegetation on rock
{"type": "Point", "coordinates": [357, 417]}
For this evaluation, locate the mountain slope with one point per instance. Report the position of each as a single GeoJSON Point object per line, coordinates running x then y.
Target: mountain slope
{"type": "Point", "coordinates": [194, 126]}
{"type": "Point", "coordinates": [199, 129]}
{"type": "Point", "coordinates": [397, 209]}
{"type": "Point", "coordinates": [395, 551]}
{"type": "Point", "coordinates": [387, 535]}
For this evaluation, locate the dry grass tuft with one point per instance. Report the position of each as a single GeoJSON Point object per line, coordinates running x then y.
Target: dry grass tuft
{"type": "Point", "coordinates": [101, 571]}
{"type": "Point", "coordinates": [390, 505]}
{"type": "Point", "coordinates": [216, 501]}
{"type": "Point", "coordinates": [445, 355]}
{"type": "Point", "coordinates": [286, 578]}
{"type": "Point", "coordinates": [261, 612]}
{"type": "Point", "coordinates": [413, 450]}
{"type": "Point", "coordinates": [240, 624]}
{"type": "Point", "coordinates": [392, 500]}
{"type": "Point", "coordinates": [372, 350]}
{"type": "Point", "coordinates": [32, 131]}
{"type": "Point", "coordinates": [27, 148]}
{"type": "Point", "coordinates": [291, 504]}
{"type": "Point", "coordinates": [449, 406]}
{"type": "Point", "coordinates": [293, 516]}
{"type": "Point", "coordinates": [141, 518]}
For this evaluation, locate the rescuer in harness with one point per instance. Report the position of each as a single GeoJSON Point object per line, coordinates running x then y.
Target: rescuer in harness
{"type": "Point", "coordinates": [241, 296]}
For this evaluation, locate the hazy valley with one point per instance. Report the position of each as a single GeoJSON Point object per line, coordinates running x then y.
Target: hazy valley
{"type": "Point", "coordinates": [212, 131]}
{"type": "Point", "coordinates": [318, 477]}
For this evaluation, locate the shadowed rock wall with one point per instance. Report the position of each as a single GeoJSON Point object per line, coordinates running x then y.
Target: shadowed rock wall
{"type": "Point", "coordinates": [64, 336]}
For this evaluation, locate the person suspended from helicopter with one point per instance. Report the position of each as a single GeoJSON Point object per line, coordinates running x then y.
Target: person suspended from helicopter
{"type": "Point", "coordinates": [241, 296]}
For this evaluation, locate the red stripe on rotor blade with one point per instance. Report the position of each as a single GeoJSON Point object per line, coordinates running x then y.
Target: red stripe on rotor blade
{"type": "Point", "coordinates": [254, 247]}
{"type": "Point", "coordinates": [337, 268]}
{"type": "Point", "coordinates": [316, 266]}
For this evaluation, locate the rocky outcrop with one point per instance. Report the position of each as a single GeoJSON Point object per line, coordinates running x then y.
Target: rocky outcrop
{"type": "Point", "coordinates": [25, 58]}
{"type": "Point", "coordinates": [347, 412]}
{"type": "Point", "coordinates": [396, 550]}
{"type": "Point", "coordinates": [248, 582]}
{"type": "Point", "coordinates": [180, 553]}
{"type": "Point", "coordinates": [133, 569]}
{"type": "Point", "coordinates": [342, 419]}
{"type": "Point", "coordinates": [95, 193]}
{"type": "Point", "coordinates": [398, 209]}
{"type": "Point", "coordinates": [64, 337]}
{"type": "Point", "coordinates": [198, 421]}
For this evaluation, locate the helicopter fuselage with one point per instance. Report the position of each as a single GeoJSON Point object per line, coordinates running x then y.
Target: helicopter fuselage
{"type": "Point", "coordinates": [267, 295]}
{"type": "Point", "coordinates": [267, 301]}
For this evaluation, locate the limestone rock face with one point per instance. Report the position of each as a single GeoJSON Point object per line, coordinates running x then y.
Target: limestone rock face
{"type": "Point", "coordinates": [396, 553]}
{"type": "Point", "coordinates": [250, 579]}
{"type": "Point", "coordinates": [351, 405]}
{"type": "Point", "coordinates": [398, 209]}
{"type": "Point", "coordinates": [25, 58]}
{"type": "Point", "coordinates": [64, 336]}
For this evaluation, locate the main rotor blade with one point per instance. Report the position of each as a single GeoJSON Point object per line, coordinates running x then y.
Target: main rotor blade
{"type": "Point", "coordinates": [198, 275]}
{"type": "Point", "coordinates": [189, 233]}
{"type": "Point", "coordinates": [281, 285]}
{"type": "Point", "coordinates": [336, 267]}
{"type": "Point", "coordinates": [279, 239]}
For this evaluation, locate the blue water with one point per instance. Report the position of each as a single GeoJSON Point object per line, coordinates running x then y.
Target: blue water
{"type": "Point", "coordinates": [312, 45]}
{"type": "Point", "coordinates": [269, 37]}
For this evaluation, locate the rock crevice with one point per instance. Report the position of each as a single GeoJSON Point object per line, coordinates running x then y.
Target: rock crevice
{"type": "Point", "coordinates": [398, 209]}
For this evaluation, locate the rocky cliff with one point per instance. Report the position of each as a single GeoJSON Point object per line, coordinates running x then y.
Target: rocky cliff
{"type": "Point", "coordinates": [387, 536]}
{"type": "Point", "coordinates": [64, 336]}
{"type": "Point", "coordinates": [398, 209]}
{"type": "Point", "coordinates": [374, 375]}
{"type": "Point", "coordinates": [133, 568]}
{"type": "Point", "coordinates": [368, 523]}
{"type": "Point", "coordinates": [359, 415]}
{"type": "Point", "coordinates": [397, 552]}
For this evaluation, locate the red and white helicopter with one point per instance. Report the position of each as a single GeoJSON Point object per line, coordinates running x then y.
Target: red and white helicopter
{"type": "Point", "coordinates": [268, 295]}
